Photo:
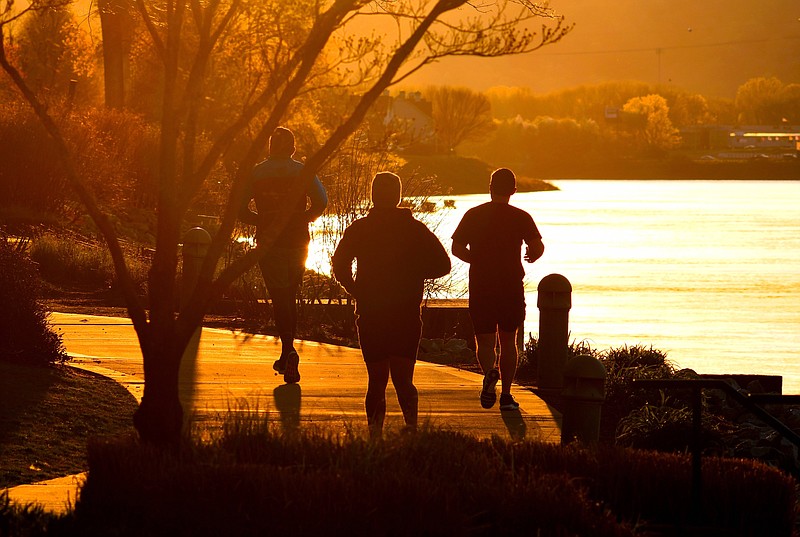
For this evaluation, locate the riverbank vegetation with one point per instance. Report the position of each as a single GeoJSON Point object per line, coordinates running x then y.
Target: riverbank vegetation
{"type": "Point", "coordinates": [253, 478]}
{"type": "Point", "coordinates": [631, 130]}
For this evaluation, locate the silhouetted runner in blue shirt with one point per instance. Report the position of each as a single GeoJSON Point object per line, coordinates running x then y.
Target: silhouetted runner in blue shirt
{"type": "Point", "coordinates": [284, 264]}
{"type": "Point", "coordinates": [394, 255]}
{"type": "Point", "coordinates": [489, 238]}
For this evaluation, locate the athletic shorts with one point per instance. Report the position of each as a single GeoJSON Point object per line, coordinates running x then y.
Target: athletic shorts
{"type": "Point", "coordinates": [283, 267]}
{"type": "Point", "coordinates": [396, 334]}
{"type": "Point", "coordinates": [501, 310]}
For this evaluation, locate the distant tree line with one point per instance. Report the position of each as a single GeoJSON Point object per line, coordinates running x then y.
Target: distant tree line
{"type": "Point", "coordinates": [616, 120]}
{"type": "Point", "coordinates": [758, 101]}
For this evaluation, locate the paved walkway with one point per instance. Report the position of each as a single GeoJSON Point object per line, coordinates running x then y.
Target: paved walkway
{"type": "Point", "coordinates": [233, 371]}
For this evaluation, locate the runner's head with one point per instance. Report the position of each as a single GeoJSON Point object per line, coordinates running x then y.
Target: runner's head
{"type": "Point", "coordinates": [386, 190]}
{"type": "Point", "coordinates": [503, 183]}
{"type": "Point", "coordinates": [281, 143]}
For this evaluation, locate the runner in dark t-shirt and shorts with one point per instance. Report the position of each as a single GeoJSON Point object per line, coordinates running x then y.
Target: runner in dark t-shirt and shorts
{"type": "Point", "coordinates": [489, 238]}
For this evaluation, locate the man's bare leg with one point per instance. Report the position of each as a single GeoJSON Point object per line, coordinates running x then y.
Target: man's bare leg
{"type": "Point", "coordinates": [402, 370]}
{"type": "Point", "coordinates": [508, 369]}
{"type": "Point", "coordinates": [487, 358]}
{"type": "Point", "coordinates": [508, 359]}
{"type": "Point", "coordinates": [375, 400]}
{"type": "Point", "coordinates": [485, 350]}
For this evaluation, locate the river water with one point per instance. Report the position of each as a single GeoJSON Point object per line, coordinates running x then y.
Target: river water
{"type": "Point", "coordinates": [706, 271]}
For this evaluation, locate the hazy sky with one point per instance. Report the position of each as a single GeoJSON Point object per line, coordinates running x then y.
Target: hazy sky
{"type": "Point", "coordinates": [707, 46]}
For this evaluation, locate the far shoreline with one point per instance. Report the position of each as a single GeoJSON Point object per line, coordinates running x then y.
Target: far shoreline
{"type": "Point", "coordinates": [525, 185]}
{"type": "Point", "coordinates": [542, 182]}
{"type": "Point", "coordinates": [665, 170]}
{"type": "Point", "coordinates": [456, 176]}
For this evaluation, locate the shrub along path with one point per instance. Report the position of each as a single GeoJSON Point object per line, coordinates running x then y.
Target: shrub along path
{"type": "Point", "coordinates": [233, 371]}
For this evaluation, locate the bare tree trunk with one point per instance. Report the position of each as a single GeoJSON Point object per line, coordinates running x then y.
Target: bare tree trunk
{"type": "Point", "coordinates": [114, 23]}
{"type": "Point", "coordinates": [159, 418]}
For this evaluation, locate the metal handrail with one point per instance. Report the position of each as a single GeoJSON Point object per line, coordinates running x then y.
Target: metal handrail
{"type": "Point", "coordinates": [747, 400]}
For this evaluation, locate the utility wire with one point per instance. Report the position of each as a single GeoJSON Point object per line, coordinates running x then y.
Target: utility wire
{"type": "Point", "coordinates": [673, 47]}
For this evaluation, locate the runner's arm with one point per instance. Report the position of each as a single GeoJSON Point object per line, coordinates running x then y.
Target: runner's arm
{"type": "Point", "coordinates": [533, 239]}
{"type": "Point", "coordinates": [247, 215]}
{"type": "Point", "coordinates": [461, 251]}
{"type": "Point", "coordinates": [534, 250]}
{"type": "Point", "coordinates": [437, 262]}
{"type": "Point", "coordinates": [342, 263]}
{"type": "Point", "coordinates": [319, 200]}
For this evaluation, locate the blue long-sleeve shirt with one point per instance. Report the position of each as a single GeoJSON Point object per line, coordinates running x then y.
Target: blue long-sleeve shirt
{"type": "Point", "coordinates": [269, 185]}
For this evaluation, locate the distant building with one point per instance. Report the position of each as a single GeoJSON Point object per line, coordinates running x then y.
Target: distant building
{"type": "Point", "coordinates": [705, 137]}
{"type": "Point", "coordinates": [411, 117]}
{"type": "Point", "coordinates": [765, 137]}
{"type": "Point", "coordinates": [748, 137]}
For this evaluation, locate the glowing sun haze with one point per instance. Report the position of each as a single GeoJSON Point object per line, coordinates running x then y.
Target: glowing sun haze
{"type": "Point", "coordinates": [709, 47]}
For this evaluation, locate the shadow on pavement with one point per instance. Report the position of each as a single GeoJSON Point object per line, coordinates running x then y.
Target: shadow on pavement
{"type": "Point", "coordinates": [515, 424]}
{"type": "Point", "coordinates": [287, 401]}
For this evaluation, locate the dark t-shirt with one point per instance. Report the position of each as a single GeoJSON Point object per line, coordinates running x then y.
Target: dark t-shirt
{"type": "Point", "coordinates": [494, 233]}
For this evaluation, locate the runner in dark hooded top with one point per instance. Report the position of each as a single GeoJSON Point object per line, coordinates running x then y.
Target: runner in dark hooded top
{"type": "Point", "coordinates": [394, 254]}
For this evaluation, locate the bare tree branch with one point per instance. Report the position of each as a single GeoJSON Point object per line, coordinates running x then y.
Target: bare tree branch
{"type": "Point", "coordinates": [158, 43]}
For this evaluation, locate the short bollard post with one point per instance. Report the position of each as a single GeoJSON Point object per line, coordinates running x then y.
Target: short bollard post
{"type": "Point", "coordinates": [582, 398]}
{"type": "Point", "coordinates": [195, 246]}
{"type": "Point", "coordinates": [555, 301]}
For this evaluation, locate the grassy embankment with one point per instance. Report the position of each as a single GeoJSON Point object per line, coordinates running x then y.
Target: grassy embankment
{"type": "Point", "coordinates": [48, 415]}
